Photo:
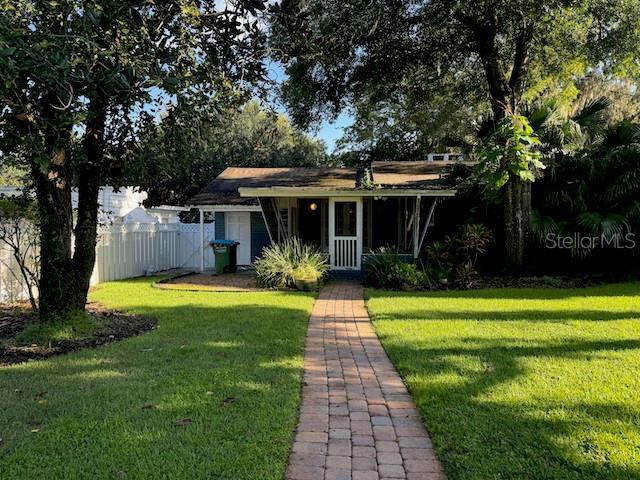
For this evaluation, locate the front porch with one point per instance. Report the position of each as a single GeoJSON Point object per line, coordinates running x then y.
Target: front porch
{"type": "Point", "coordinates": [341, 210]}
{"type": "Point", "coordinates": [348, 228]}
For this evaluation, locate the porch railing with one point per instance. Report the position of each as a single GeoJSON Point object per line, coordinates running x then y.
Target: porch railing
{"type": "Point", "coordinates": [346, 253]}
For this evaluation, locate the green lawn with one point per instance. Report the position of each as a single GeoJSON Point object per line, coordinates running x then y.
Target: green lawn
{"type": "Point", "coordinates": [229, 362]}
{"type": "Point", "coordinates": [522, 383]}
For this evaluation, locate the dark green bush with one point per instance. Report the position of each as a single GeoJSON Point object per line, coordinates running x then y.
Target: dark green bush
{"type": "Point", "coordinates": [453, 261]}
{"type": "Point", "coordinates": [386, 269]}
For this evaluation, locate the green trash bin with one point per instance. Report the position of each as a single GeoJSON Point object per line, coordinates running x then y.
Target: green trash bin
{"type": "Point", "coordinates": [224, 252]}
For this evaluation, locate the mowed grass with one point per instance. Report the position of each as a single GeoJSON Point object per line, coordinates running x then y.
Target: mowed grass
{"type": "Point", "coordinates": [230, 363]}
{"type": "Point", "coordinates": [522, 383]}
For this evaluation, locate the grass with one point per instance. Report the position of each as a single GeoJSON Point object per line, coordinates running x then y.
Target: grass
{"type": "Point", "coordinates": [229, 362]}
{"type": "Point", "coordinates": [522, 383]}
{"type": "Point", "coordinates": [78, 326]}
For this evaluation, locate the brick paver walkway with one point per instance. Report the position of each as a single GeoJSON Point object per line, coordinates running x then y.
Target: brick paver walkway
{"type": "Point", "coordinates": [357, 420]}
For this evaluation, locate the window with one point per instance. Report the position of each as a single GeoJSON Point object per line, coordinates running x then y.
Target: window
{"type": "Point", "coordinates": [346, 219]}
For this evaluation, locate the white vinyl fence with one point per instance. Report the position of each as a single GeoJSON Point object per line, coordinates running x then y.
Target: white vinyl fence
{"type": "Point", "coordinates": [125, 251]}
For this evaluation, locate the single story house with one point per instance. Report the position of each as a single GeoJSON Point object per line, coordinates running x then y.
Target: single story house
{"type": "Point", "coordinates": [349, 212]}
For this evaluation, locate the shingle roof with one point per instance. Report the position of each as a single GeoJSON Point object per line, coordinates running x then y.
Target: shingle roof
{"type": "Point", "coordinates": [396, 175]}
{"type": "Point", "coordinates": [418, 174]}
{"type": "Point", "coordinates": [224, 189]}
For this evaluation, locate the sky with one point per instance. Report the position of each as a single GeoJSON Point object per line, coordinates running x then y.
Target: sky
{"type": "Point", "coordinates": [329, 132]}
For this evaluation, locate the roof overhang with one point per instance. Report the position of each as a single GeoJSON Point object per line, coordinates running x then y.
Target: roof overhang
{"type": "Point", "coordinates": [227, 208]}
{"type": "Point", "coordinates": [168, 208]}
{"type": "Point", "coordinates": [306, 192]}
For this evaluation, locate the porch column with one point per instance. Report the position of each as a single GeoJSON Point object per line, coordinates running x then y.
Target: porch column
{"type": "Point", "coordinates": [416, 229]}
{"type": "Point", "coordinates": [201, 240]}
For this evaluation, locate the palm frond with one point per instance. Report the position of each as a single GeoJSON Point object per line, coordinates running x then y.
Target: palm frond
{"type": "Point", "coordinates": [592, 113]}
{"type": "Point", "coordinates": [633, 211]}
{"type": "Point", "coordinates": [624, 185]}
{"type": "Point", "coordinates": [543, 226]}
{"type": "Point", "coordinates": [607, 224]}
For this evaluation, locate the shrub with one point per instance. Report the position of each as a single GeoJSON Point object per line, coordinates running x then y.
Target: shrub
{"type": "Point", "coordinates": [407, 276]}
{"type": "Point", "coordinates": [454, 260]}
{"type": "Point", "coordinates": [281, 263]}
{"type": "Point", "coordinates": [450, 262]}
{"type": "Point", "coordinates": [385, 269]}
{"type": "Point", "coordinates": [379, 267]}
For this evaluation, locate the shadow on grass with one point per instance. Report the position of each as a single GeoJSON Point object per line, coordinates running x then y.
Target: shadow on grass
{"type": "Point", "coordinates": [532, 315]}
{"type": "Point", "coordinates": [234, 371]}
{"type": "Point", "coordinates": [606, 290]}
{"type": "Point", "coordinates": [483, 433]}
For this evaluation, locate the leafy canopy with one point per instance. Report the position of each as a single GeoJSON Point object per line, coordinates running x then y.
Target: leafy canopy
{"type": "Point", "coordinates": [407, 68]}
{"type": "Point", "coordinates": [192, 144]}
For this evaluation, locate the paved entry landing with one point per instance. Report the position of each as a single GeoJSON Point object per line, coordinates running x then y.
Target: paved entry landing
{"type": "Point", "coordinates": [357, 420]}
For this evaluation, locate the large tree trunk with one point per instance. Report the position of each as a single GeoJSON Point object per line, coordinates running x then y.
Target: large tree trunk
{"type": "Point", "coordinates": [53, 194]}
{"type": "Point", "coordinates": [66, 272]}
{"type": "Point", "coordinates": [516, 200]}
{"type": "Point", "coordinates": [517, 222]}
{"type": "Point", "coordinates": [504, 95]}
{"type": "Point", "coordinates": [89, 177]}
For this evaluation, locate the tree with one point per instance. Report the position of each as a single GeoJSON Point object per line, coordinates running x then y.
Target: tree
{"type": "Point", "coordinates": [77, 80]}
{"type": "Point", "coordinates": [511, 153]}
{"type": "Point", "coordinates": [192, 144]}
{"type": "Point", "coordinates": [593, 181]}
{"type": "Point", "coordinates": [337, 53]}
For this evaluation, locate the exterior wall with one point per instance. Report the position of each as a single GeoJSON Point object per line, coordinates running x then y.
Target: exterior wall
{"type": "Point", "coordinates": [220, 229]}
{"type": "Point", "coordinates": [259, 235]}
{"type": "Point", "coordinates": [113, 205]}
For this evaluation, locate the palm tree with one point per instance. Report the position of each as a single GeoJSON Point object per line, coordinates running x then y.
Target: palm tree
{"type": "Point", "coordinates": [592, 181]}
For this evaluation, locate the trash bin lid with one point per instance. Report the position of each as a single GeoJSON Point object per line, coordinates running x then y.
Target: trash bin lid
{"type": "Point", "coordinates": [223, 243]}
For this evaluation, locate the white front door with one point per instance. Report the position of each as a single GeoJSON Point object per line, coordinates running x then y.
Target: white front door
{"type": "Point", "coordinates": [345, 233]}
{"type": "Point", "coordinates": [238, 228]}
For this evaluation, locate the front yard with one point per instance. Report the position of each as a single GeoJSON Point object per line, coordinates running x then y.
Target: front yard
{"type": "Point", "coordinates": [522, 383]}
{"type": "Point", "coordinates": [211, 393]}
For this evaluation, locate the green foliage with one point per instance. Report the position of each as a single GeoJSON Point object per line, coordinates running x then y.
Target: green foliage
{"type": "Point", "coordinates": [451, 262]}
{"type": "Point", "coordinates": [592, 185]}
{"type": "Point", "coordinates": [13, 176]}
{"type": "Point", "coordinates": [194, 142]}
{"type": "Point", "coordinates": [18, 208]}
{"type": "Point", "coordinates": [510, 151]}
{"type": "Point", "coordinates": [454, 260]}
{"type": "Point", "coordinates": [421, 76]}
{"type": "Point", "coordinates": [385, 268]}
{"type": "Point", "coordinates": [281, 263]}
{"type": "Point", "coordinates": [367, 182]}
{"type": "Point", "coordinates": [408, 276]}
{"type": "Point", "coordinates": [79, 80]}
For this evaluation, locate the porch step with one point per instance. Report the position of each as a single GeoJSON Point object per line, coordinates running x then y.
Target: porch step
{"type": "Point", "coordinates": [345, 274]}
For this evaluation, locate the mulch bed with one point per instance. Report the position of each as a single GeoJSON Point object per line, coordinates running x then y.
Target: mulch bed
{"type": "Point", "coordinates": [114, 326]}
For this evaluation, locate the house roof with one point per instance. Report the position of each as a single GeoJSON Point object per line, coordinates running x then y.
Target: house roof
{"type": "Point", "coordinates": [411, 175]}
{"type": "Point", "coordinates": [224, 189]}
{"type": "Point", "coordinates": [240, 186]}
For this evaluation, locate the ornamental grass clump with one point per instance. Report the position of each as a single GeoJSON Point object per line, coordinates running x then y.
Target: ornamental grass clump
{"type": "Point", "coordinates": [291, 263]}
